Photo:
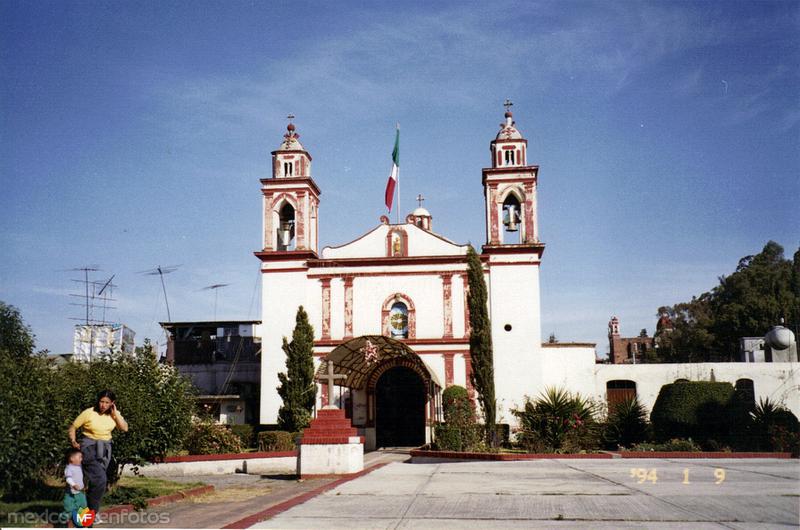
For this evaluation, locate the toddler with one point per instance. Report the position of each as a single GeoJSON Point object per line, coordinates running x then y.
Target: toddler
{"type": "Point", "coordinates": [74, 497]}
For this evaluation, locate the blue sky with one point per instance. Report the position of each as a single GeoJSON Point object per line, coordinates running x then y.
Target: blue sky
{"type": "Point", "coordinates": [134, 134]}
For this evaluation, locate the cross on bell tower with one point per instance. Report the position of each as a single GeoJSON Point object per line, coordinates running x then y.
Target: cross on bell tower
{"type": "Point", "coordinates": [420, 200]}
{"type": "Point", "coordinates": [510, 188]}
{"type": "Point", "coordinates": [291, 199]}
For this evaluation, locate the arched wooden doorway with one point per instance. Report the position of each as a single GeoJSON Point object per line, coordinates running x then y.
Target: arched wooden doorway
{"type": "Point", "coordinates": [400, 397]}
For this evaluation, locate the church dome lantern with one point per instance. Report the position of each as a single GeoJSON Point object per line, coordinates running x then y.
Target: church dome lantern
{"type": "Point", "coordinates": [291, 160]}
{"type": "Point", "coordinates": [420, 217]}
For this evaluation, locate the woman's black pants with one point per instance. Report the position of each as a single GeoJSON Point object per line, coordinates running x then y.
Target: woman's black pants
{"type": "Point", "coordinates": [94, 468]}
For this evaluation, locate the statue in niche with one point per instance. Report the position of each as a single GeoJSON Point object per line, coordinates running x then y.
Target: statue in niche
{"type": "Point", "coordinates": [397, 244]}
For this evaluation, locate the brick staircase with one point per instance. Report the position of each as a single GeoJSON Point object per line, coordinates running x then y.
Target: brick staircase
{"type": "Point", "coordinates": [330, 427]}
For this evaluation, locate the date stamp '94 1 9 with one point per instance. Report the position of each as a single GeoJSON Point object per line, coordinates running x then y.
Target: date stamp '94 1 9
{"type": "Point", "coordinates": [643, 475]}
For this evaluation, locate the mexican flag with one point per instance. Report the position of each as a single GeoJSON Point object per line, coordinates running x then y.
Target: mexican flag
{"type": "Point", "coordinates": [392, 182]}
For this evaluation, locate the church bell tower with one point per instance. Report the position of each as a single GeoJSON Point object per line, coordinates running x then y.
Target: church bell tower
{"type": "Point", "coordinates": [291, 199]}
{"type": "Point", "coordinates": [510, 189]}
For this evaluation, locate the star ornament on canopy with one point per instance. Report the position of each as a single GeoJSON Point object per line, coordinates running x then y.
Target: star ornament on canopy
{"type": "Point", "coordinates": [370, 352]}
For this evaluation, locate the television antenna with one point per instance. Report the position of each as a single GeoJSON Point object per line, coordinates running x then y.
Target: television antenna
{"type": "Point", "coordinates": [160, 272]}
{"type": "Point", "coordinates": [93, 291]}
{"type": "Point", "coordinates": [215, 288]}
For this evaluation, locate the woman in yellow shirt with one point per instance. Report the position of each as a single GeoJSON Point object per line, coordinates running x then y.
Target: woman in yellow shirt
{"type": "Point", "coordinates": [97, 423]}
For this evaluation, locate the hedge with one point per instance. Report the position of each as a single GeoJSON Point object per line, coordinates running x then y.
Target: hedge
{"type": "Point", "coordinates": [276, 441]}
{"type": "Point", "coordinates": [700, 410]}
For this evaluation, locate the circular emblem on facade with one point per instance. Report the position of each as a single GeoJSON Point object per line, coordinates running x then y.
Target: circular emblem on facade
{"type": "Point", "coordinates": [398, 320]}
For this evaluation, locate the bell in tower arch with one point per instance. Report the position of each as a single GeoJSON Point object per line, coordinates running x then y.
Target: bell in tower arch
{"type": "Point", "coordinates": [286, 227]}
{"type": "Point", "coordinates": [511, 216]}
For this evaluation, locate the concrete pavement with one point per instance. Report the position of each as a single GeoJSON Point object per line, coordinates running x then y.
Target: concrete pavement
{"type": "Point", "coordinates": [696, 493]}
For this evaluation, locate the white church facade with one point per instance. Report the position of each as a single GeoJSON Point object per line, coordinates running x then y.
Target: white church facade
{"type": "Point", "coordinates": [389, 309]}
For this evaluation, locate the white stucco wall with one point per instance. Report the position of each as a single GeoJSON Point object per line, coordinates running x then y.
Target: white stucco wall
{"type": "Point", "coordinates": [282, 293]}
{"type": "Point", "coordinates": [514, 301]}
{"type": "Point", "coordinates": [575, 369]}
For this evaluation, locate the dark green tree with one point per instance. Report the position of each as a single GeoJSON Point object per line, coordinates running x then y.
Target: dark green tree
{"type": "Point", "coordinates": [32, 433]}
{"type": "Point", "coordinates": [156, 400]}
{"type": "Point", "coordinates": [764, 289]}
{"type": "Point", "coordinates": [480, 343]}
{"type": "Point", "coordinates": [16, 338]}
{"type": "Point", "coordinates": [298, 390]}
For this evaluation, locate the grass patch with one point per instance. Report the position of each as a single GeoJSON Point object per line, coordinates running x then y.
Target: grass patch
{"type": "Point", "coordinates": [37, 504]}
{"type": "Point", "coordinates": [136, 490]}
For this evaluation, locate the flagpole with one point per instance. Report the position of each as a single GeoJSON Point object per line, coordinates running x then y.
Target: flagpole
{"type": "Point", "coordinates": [398, 185]}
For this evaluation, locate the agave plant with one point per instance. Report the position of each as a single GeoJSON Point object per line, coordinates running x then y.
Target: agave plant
{"type": "Point", "coordinates": [553, 417]}
{"type": "Point", "coordinates": [627, 423]}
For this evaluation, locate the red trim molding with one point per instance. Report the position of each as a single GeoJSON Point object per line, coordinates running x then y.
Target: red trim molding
{"type": "Point", "coordinates": [534, 248]}
{"type": "Point", "coordinates": [229, 456]}
{"type": "Point", "coordinates": [286, 269]}
{"type": "Point", "coordinates": [411, 342]}
{"type": "Point", "coordinates": [506, 457]}
{"type": "Point", "coordinates": [286, 255]}
{"type": "Point", "coordinates": [569, 344]}
{"type": "Point", "coordinates": [300, 181]}
{"type": "Point", "coordinates": [710, 454]}
{"type": "Point", "coordinates": [405, 260]}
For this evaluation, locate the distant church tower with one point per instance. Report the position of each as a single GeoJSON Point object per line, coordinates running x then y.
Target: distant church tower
{"type": "Point", "coordinates": [291, 199]}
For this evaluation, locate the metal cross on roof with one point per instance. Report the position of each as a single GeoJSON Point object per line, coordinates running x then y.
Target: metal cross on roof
{"type": "Point", "coordinates": [330, 377]}
{"type": "Point", "coordinates": [507, 104]}
{"type": "Point", "coordinates": [290, 117]}
{"type": "Point", "coordinates": [420, 198]}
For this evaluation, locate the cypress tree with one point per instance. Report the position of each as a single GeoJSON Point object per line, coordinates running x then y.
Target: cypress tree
{"type": "Point", "coordinates": [298, 390]}
{"type": "Point", "coordinates": [480, 342]}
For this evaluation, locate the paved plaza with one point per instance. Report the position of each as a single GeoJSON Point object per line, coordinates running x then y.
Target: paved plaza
{"type": "Point", "coordinates": [619, 493]}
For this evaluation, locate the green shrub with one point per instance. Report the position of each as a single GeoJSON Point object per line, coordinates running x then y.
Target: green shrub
{"type": "Point", "coordinates": [774, 428]}
{"type": "Point", "coordinates": [700, 410]}
{"type": "Point", "coordinates": [458, 407]}
{"type": "Point", "coordinates": [40, 399]}
{"type": "Point", "coordinates": [155, 399]}
{"type": "Point", "coordinates": [208, 438]}
{"type": "Point", "coordinates": [448, 438]}
{"type": "Point", "coordinates": [276, 441]}
{"type": "Point", "coordinates": [557, 421]}
{"type": "Point", "coordinates": [245, 434]}
{"type": "Point", "coordinates": [676, 444]}
{"type": "Point", "coordinates": [626, 424]}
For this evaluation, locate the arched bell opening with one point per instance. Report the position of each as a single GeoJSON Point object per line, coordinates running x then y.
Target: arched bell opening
{"type": "Point", "coordinates": [512, 220]}
{"type": "Point", "coordinates": [286, 227]}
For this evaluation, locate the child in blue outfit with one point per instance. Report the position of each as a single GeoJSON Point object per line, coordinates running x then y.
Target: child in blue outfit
{"type": "Point", "coordinates": [74, 497]}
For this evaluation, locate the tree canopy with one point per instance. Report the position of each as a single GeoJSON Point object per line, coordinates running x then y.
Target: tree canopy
{"type": "Point", "coordinates": [764, 289]}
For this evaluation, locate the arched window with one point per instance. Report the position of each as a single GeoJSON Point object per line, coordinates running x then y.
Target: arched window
{"type": "Point", "coordinates": [619, 390]}
{"type": "Point", "coordinates": [398, 321]}
{"type": "Point", "coordinates": [745, 391]}
{"type": "Point", "coordinates": [288, 169]}
{"type": "Point", "coordinates": [509, 157]}
{"type": "Point", "coordinates": [398, 316]}
{"type": "Point", "coordinates": [512, 219]}
{"type": "Point", "coordinates": [286, 223]}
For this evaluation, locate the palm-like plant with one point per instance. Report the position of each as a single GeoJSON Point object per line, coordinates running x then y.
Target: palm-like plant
{"type": "Point", "coordinates": [553, 416]}
{"type": "Point", "coordinates": [627, 423]}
